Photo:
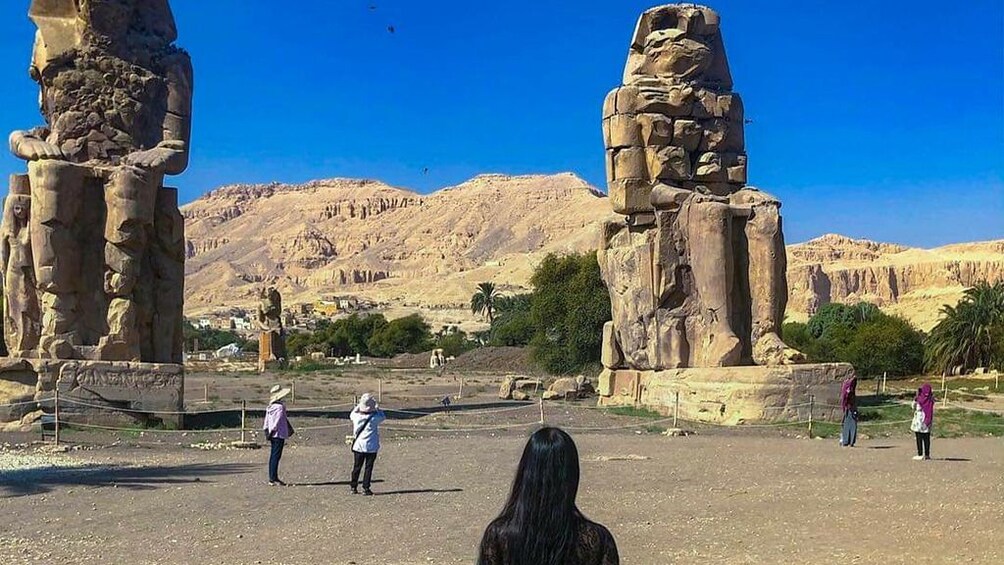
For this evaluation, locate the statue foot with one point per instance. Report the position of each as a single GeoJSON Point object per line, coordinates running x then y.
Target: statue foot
{"type": "Point", "coordinates": [770, 350]}
{"type": "Point", "coordinates": [57, 347]}
{"type": "Point", "coordinates": [723, 350]}
{"type": "Point", "coordinates": [114, 348]}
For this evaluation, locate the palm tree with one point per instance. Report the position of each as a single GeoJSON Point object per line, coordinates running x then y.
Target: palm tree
{"type": "Point", "coordinates": [964, 337]}
{"type": "Point", "coordinates": [483, 301]}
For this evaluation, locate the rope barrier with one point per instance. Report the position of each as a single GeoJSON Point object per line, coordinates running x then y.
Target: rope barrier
{"type": "Point", "coordinates": [24, 403]}
{"type": "Point", "coordinates": [148, 430]}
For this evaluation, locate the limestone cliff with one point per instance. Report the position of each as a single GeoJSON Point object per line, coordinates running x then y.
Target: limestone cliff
{"type": "Point", "coordinates": [913, 283]}
{"type": "Point", "coordinates": [382, 243]}
{"type": "Point", "coordinates": [414, 252]}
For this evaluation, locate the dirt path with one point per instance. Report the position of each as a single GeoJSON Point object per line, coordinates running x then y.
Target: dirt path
{"type": "Point", "coordinates": [701, 499]}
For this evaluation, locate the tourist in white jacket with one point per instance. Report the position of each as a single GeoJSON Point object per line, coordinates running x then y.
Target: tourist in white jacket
{"type": "Point", "coordinates": [366, 418]}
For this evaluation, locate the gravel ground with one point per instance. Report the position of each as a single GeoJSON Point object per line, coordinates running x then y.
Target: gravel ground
{"type": "Point", "coordinates": [716, 497]}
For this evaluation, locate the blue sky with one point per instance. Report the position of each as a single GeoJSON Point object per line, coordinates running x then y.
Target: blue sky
{"type": "Point", "coordinates": [877, 119]}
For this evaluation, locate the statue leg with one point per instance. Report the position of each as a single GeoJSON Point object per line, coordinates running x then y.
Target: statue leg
{"type": "Point", "coordinates": [768, 279]}
{"type": "Point", "coordinates": [130, 198]}
{"type": "Point", "coordinates": [709, 236]}
{"type": "Point", "coordinates": [56, 197]}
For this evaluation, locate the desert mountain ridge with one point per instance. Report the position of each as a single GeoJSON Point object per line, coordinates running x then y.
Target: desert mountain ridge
{"type": "Point", "coordinates": [413, 252]}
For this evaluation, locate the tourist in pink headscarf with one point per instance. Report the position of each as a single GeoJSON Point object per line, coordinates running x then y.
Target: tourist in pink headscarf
{"type": "Point", "coordinates": [923, 417]}
{"type": "Point", "coordinates": [849, 404]}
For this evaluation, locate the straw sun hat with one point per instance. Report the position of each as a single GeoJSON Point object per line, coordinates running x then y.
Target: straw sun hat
{"type": "Point", "coordinates": [277, 393]}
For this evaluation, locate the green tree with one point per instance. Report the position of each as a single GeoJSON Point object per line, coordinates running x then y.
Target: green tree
{"type": "Point", "coordinates": [454, 344]}
{"type": "Point", "coordinates": [570, 304]}
{"type": "Point", "coordinates": [513, 325]}
{"type": "Point", "coordinates": [967, 334]}
{"type": "Point", "coordinates": [483, 301]}
{"type": "Point", "coordinates": [885, 344]}
{"type": "Point", "coordinates": [409, 334]}
{"type": "Point", "coordinates": [835, 313]}
{"type": "Point", "coordinates": [796, 334]}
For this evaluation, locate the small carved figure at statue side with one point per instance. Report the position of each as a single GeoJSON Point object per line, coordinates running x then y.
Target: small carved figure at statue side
{"type": "Point", "coordinates": [21, 314]}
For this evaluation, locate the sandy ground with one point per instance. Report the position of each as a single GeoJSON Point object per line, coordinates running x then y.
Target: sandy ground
{"type": "Point", "coordinates": [711, 498]}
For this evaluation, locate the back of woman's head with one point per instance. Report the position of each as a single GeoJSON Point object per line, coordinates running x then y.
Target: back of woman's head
{"type": "Point", "coordinates": [540, 521]}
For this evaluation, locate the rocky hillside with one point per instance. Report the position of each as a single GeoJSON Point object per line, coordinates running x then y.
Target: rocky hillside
{"type": "Point", "coordinates": [386, 244]}
{"type": "Point", "coordinates": [913, 283]}
{"type": "Point", "coordinates": [412, 252]}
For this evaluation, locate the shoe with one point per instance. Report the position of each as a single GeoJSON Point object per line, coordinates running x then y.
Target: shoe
{"type": "Point", "coordinates": [928, 458]}
{"type": "Point", "coordinates": [367, 492]}
{"type": "Point", "coordinates": [355, 490]}
{"type": "Point", "coordinates": [918, 457]}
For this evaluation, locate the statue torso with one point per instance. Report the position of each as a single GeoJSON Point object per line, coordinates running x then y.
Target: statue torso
{"type": "Point", "coordinates": [100, 108]}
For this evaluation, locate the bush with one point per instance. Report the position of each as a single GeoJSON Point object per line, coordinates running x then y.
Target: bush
{"type": "Point", "coordinates": [861, 335]}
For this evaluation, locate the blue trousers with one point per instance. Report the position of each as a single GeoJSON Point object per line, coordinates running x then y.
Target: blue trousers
{"type": "Point", "coordinates": [273, 460]}
{"type": "Point", "coordinates": [849, 429]}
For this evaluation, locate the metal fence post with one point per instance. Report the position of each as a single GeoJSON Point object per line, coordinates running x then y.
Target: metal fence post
{"type": "Point", "coordinates": [244, 413]}
{"type": "Point", "coordinates": [542, 410]}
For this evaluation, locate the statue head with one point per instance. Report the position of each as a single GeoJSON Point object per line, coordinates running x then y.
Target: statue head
{"type": "Point", "coordinates": [18, 203]}
{"type": "Point", "coordinates": [64, 25]}
{"type": "Point", "coordinates": [680, 43]}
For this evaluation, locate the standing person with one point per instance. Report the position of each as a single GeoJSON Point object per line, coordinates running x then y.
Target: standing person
{"type": "Point", "coordinates": [849, 404]}
{"type": "Point", "coordinates": [277, 429]}
{"type": "Point", "coordinates": [923, 417]}
{"type": "Point", "coordinates": [366, 418]}
{"type": "Point", "coordinates": [540, 523]}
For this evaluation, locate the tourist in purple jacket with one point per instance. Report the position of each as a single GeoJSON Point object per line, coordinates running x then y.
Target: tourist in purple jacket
{"type": "Point", "coordinates": [277, 430]}
{"type": "Point", "coordinates": [849, 405]}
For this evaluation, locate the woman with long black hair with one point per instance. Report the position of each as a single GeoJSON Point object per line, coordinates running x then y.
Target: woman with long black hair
{"type": "Point", "coordinates": [540, 524]}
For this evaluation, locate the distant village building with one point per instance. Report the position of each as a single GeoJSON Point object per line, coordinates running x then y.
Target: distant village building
{"type": "Point", "coordinates": [331, 305]}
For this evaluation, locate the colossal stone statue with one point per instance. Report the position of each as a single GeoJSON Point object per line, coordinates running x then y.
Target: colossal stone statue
{"type": "Point", "coordinates": [694, 259]}
{"type": "Point", "coordinates": [272, 342]}
{"type": "Point", "coordinates": [104, 236]}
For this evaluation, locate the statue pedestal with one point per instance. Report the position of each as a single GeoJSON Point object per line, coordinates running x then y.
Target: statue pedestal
{"type": "Point", "coordinates": [271, 351]}
{"type": "Point", "coordinates": [731, 395]}
{"type": "Point", "coordinates": [115, 393]}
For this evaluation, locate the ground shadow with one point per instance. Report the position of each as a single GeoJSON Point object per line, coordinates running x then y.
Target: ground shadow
{"type": "Point", "coordinates": [330, 483]}
{"type": "Point", "coordinates": [417, 491]}
{"type": "Point", "coordinates": [883, 447]}
{"type": "Point", "coordinates": [40, 480]}
{"type": "Point", "coordinates": [955, 459]}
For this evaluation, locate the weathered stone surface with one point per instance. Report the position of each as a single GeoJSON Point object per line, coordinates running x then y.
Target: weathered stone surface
{"type": "Point", "coordinates": [104, 240]}
{"type": "Point", "coordinates": [272, 341]}
{"type": "Point", "coordinates": [520, 395]}
{"type": "Point", "coordinates": [97, 392]}
{"type": "Point", "coordinates": [733, 395]}
{"type": "Point", "coordinates": [696, 278]}
{"type": "Point", "coordinates": [507, 387]}
{"type": "Point", "coordinates": [22, 317]}
{"type": "Point", "coordinates": [630, 196]}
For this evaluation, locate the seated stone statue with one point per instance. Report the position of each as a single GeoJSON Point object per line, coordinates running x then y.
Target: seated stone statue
{"type": "Point", "coordinates": [116, 95]}
{"type": "Point", "coordinates": [694, 259]}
